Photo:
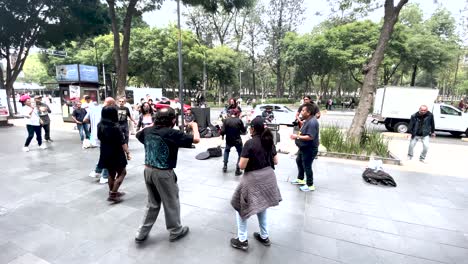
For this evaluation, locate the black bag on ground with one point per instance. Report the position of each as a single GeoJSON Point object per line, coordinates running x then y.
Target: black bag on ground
{"type": "Point", "coordinates": [215, 152]}
{"type": "Point", "coordinates": [378, 177]}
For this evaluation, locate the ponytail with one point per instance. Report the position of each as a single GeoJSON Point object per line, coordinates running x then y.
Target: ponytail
{"type": "Point", "coordinates": [267, 139]}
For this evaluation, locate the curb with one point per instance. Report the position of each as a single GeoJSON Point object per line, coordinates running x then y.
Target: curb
{"type": "Point", "coordinates": [393, 160]}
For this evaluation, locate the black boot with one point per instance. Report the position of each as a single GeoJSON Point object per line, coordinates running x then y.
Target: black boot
{"type": "Point", "coordinates": [238, 171]}
{"type": "Point", "coordinates": [225, 167]}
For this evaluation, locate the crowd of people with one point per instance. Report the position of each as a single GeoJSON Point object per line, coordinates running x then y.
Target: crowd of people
{"type": "Point", "coordinates": [106, 126]}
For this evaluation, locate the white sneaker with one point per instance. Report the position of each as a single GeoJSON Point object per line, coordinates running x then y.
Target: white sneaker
{"type": "Point", "coordinates": [103, 180]}
{"type": "Point", "coordinates": [94, 174]}
{"type": "Point", "coordinates": [43, 146]}
{"type": "Point", "coordinates": [25, 149]}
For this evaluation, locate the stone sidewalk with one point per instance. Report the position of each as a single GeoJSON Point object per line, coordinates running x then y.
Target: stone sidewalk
{"type": "Point", "coordinates": [52, 212]}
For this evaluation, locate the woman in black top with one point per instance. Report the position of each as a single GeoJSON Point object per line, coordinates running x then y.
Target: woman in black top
{"type": "Point", "coordinates": [114, 151]}
{"type": "Point", "coordinates": [258, 189]}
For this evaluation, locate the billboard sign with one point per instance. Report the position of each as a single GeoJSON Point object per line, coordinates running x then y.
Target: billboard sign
{"type": "Point", "coordinates": [89, 73]}
{"type": "Point", "coordinates": [76, 73]}
{"type": "Point", "coordinates": [67, 73]}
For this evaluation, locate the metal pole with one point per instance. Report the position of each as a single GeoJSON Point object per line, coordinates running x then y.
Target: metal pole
{"type": "Point", "coordinates": [181, 77]}
{"type": "Point", "coordinates": [240, 83]}
{"type": "Point", "coordinates": [104, 79]}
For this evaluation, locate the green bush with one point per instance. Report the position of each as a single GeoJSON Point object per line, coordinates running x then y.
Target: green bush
{"type": "Point", "coordinates": [371, 143]}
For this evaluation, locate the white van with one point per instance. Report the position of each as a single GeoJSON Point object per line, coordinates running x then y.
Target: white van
{"type": "Point", "coordinates": [393, 107]}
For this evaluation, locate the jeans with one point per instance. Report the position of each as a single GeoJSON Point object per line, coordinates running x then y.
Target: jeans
{"type": "Point", "coordinates": [104, 172]}
{"type": "Point", "coordinates": [228, 149]}
{"type": "Point", "coordinates": [31, 131]}
{"type": "Point", "coordinates": [84, 130]}
{"type": "Point", "coordinates": [304, 160]}
{"type": "Point", "coordinates": [425, 141]}
{"type": "Point", "coordinates": [47, 131]}
{"type": "Point", "coordinates": [242, 226]}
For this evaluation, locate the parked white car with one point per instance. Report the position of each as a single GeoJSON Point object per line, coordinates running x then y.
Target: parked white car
{"type": "Point", "coordinates": [282, 114]}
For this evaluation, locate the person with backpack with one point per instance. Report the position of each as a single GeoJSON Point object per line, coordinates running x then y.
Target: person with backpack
{"type": "Point", "coordinates": [162, 144]}
{"type": "Point", "coordinates": [258, 189]}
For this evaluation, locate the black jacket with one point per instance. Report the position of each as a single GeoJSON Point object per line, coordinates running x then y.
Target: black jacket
{"type": "Point", "coordinates": [233, 127]}
{"type": "Point", "coordinates": [428, 126]}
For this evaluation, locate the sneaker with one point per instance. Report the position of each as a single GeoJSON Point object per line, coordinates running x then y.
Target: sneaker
{"type": "Point", "coordinates": [409, 158]}
{"type": "Point", "coordinates": [298, 182]}
{"type": "Point", "coordinates": [139, 238]}
{"type": "Point", "coordinates": [25, 149]}
{"type": "Point", "coordinates": [183, 233]}
{"type": "Point", "coordinates": [236, 243]}
{"type": "Point", "coordinates": [49, 140]}
{"type": "Point", "coordinates": [225, 168]}
{"type": "Point", "coordinates": [238, 172]}
{"type": "Point", "coordinates": [43, 146]}
{"type": "Point", "coordinates": [94, 174]}
{"type": "Point", "coordinates": [306, 188]}
{"type": "Point", "coordinates": [265, 242]}
{"type": "Point", "coordinates": [422, 161]}
{"type": "Point", "coordinates": [103, 180]}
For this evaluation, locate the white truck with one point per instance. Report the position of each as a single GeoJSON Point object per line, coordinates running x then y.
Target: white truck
{"type": "Point", "coordinates": [393, 107]}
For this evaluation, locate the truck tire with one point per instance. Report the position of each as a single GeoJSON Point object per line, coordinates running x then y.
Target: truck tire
{"type": "Point", "coordinates": [401, 127]}
{"type": "Point", "coordinates": [456, 133]}
{"type": "Point", "coordinates": [389, 127]}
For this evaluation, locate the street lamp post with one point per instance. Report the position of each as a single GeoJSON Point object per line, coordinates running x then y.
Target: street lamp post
{"type": "Point", "coordinates": [240, 82]}
{"type": "Point", "coordinates": [181, 78]}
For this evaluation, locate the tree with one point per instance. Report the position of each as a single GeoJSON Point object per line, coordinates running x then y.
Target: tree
{"type": "Point", "coordinates": [370, 70]}
{"type": "Point", "coordinates": [221, 63]}
{"type": "Point", "coordinates": [283, 16]}
{"type": "Point", "coordinates": [134, 8]}
{"type": "Point", "coordinates": [24, 24]}
{"type": "Point", "coordinates": [253, 40]}
{"type": "Point", "coordinates": [34, 71]}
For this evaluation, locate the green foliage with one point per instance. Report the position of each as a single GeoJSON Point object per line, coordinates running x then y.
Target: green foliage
{"type": "Point", "coordinates": [370, 143]}
{"type": "Point", "coordinates": [34, 71]}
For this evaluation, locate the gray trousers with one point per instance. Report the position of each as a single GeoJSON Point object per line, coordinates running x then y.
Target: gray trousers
{"type": "Point", "coordinates": [162, 188]}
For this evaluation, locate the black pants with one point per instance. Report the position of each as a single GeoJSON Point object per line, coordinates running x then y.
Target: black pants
{"type": "Point", "coordinates": [124, 129]}
{"type": "Point", "coordinates": [227, 150]}
{"type": "Point", "coordinates": [31, 130]}
{"type": "Point", "coordinates": [304, 160]}
{"type": "Point", "coordinates": [46, 131]}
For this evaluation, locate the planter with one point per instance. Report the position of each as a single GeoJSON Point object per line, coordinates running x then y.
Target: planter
{"type": "Point", "coordinates": [393, 160]}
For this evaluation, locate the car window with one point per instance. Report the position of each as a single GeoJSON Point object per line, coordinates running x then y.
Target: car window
{"type": "Point", "coordinates": [288, 108]}
{"type": "Point", "coordinates": [445, 110]}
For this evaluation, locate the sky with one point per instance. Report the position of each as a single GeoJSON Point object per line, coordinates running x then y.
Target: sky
{"type": "Point", "coordinates": [168, 13]}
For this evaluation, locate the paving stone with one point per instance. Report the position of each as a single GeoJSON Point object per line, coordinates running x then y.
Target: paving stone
{"type": "Point", "coordinates": [28, 259]}
{"type": "Point", "coordinates": [57, 214]}
{"type": "Point", "coordinates": [10, 251]}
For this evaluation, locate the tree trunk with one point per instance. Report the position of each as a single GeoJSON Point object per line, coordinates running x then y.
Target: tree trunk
{"type": "Point", "coordinates": [413, 75]}
{"type": "Point", "coordinates": [279, 79]}
{"type": "Point", "coordinates": [121, 51]}
{"type": "Point", "coordinates": [371, 70]}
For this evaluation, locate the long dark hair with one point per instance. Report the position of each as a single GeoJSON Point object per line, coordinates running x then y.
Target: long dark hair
{"type": "Point", "coordinates": [266, 137]}
{"type": "Point", "coordinates": [143, 111]}
{"type": "Point", "coordinates": [109, 120]}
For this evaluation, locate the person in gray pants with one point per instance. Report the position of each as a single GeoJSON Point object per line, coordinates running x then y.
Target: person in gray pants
{"type": "Point", "coordinates": [162, 144]}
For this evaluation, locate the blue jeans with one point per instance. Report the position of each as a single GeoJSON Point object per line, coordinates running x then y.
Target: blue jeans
{"type": "Point", "coordinates": [84, 130]}
{"type": "Point", "coordinates": [242, 226]}
{"type": "Point", "coordinates": [104, 172]}
{"type": "Point", "coordinates": [424, 140]}
{"type": "Point", "coordinates": [228, 149]}
{"type": "Point", "coordinates": [304, 160]}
